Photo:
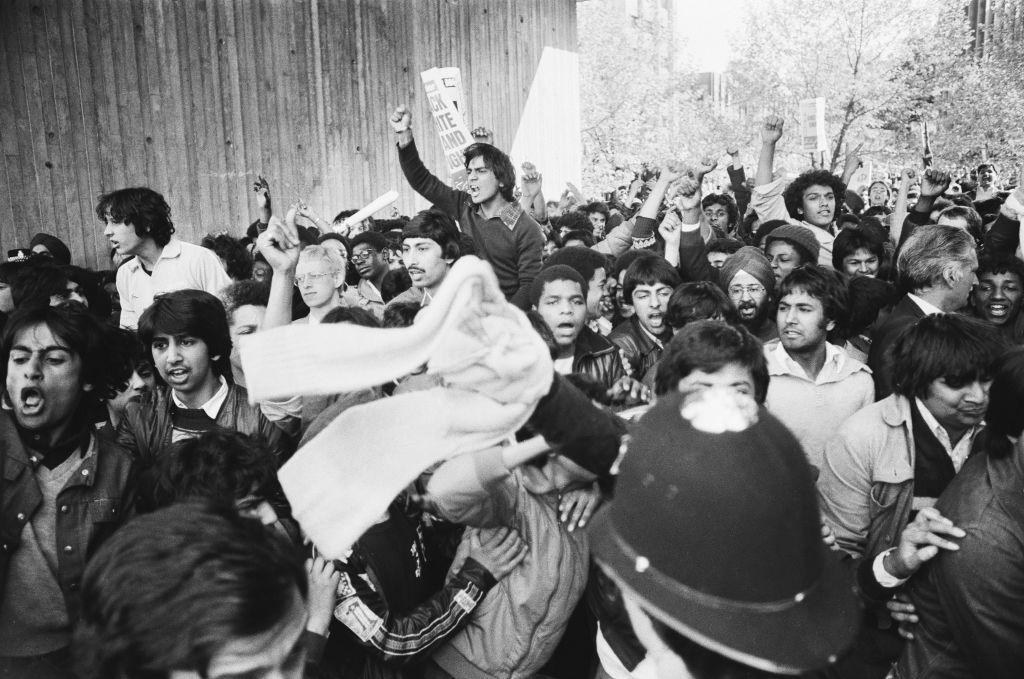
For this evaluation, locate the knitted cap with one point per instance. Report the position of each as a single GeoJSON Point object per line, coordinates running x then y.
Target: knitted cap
{"type": "Point", "coordinates": [558, 272]}
{"type": "Point", "coordinates": [60, 252]}
{"type": "Point", "coordinates": [800, 235]}
{"type": "Point", "coordinates": [753, 261]}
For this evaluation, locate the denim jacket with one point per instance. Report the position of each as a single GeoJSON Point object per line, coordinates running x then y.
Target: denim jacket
{"type": "Point", "coordinates": [93, 504]}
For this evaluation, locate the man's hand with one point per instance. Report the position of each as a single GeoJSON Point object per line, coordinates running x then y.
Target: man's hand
{"type": "Point", "coordinates": [262, 189]}
{"type": "Point", "coordinates": [669, 230]}
{"type": "Point", "coordinates": [531, 180]}
{"type": "Point", "coordinates": [323, 582]}
{"type": "Point", "coordinates": [771, 132]}
{"type": "Point", "coordinates": [499, 553]}
{"type": "Point", "coordinates": [628, 390]}
{"type": "Point", "coordinates": [575, 507]}
{"type": "Point", "coordinates": [907, 176]}
{"type": "Point", "coordinates": [482, 135]}
{"type": "Point", "coordinates": [934, 183]}
{"type": "Point", "coordinates": [671, 172]}
{"type": "Point", "coordinates": [828, 537]}
{"type": "Point", "coordinates": [706, 166]}
{"type": "Point", "coordinates": [687, 194]}
{"type": "Point", "coordinates": [732, 150]}
{"type": "Point", "coordinates": [279, 244]}
{"type": "Point", "coordinates": [401, 120]}
{"type": "Point", "coordinates": [920, 542]}
{"type": "Point", "coordinates": [904, 613]}
{"type": "Point", "coordinates": [853, 160]}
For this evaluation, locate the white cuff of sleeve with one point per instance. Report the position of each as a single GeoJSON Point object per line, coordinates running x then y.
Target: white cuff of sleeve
{"type": "Point", "coordinates": [884, 578]}
{"type": "Point", "coordinates": [689, 227]}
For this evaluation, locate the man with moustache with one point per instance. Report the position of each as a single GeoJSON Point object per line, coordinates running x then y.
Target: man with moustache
{"type": "Point", "coordinates": [430, 245]}
{"type": "Point", "coordinates": [503, 233]}
{"type": "Point", "coordinates": [748, 279]}
{"type": "Point", "coordinates": [63, 489]}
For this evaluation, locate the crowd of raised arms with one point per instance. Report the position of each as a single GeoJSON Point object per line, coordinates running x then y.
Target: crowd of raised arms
{"type": "Point", "coordinates": [770, 427]}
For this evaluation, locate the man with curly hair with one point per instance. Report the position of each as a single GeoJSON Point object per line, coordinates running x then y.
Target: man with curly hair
{"type": "Point", "coordinates": [813, 199]}
{"type": "Point", "coordinates": [138, 225]}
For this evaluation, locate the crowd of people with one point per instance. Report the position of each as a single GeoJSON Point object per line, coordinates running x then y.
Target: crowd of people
{"type": "Point", "coordinates": [766, 428]}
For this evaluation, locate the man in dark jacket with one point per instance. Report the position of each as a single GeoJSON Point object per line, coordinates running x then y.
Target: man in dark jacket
{"type": "Point", "coordinates": [939, 265]}
{"type": "Point", "coordinates": [187, 334]}
{"type": "Point", "coordinates": [967, 599]}
{"type": "Point", "coordinates": [648, 285]}
{"type": "Point", "coordinates": [63, 490]}
{"type": "Point", "coordinates": [558, 295]}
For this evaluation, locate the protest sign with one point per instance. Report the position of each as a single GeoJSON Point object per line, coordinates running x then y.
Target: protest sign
{"type": "Point", "coordinates": [812, 125]}
{"type": "Point", "coordinates": [444, 96]}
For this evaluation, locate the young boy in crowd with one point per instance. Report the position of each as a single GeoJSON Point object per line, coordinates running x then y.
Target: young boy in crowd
{"type": "Point", "coordinates": [557, 294]}
{"type": "Point", "coordinates": [63, 490]}
{"type": "Point", "coordinates": [815, 386]}
{"type": "Point", "coordinates": [187, 334]}
{"type": "Point", "coordinates": [138, 222]}
{"type": "Point", "coordinates": [593, 266]}
{"type": "Point", "coordinates": [648, 285]}
{"type": "Point", "coordinates": [706, 354]}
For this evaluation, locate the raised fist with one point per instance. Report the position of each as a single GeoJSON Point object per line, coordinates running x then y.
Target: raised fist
{"type": "Point", "coordinates": [401, 119]}
{"type": "Point", "coordinates": [772, 130]}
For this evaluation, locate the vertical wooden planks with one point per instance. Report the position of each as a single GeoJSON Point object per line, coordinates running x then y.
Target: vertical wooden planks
{"type": "Point", "coordinates": [196, 98]}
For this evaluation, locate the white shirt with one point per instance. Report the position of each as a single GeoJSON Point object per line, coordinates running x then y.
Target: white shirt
{"type": "Point", "coordinates": [958, 453]}
{"type": "Point", "coordinates": [181, 266]}
{"type": "Point", "coordinates": [211, 407]}
{"type": "Point", "coordinates": [927, 307]}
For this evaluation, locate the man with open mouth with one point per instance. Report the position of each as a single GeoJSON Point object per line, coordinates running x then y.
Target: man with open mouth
{"type": "Point", "coordinates": [504, 234]}
{"type": "Point", "coordinates": [187, 334]}
{"type": "Point", "coordinates": [63, 490]}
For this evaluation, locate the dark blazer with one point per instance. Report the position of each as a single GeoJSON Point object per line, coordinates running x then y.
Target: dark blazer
{"type": "Point", "coordinates": [905, 314]}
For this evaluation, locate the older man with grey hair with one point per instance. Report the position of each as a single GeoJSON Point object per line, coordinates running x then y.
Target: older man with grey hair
{"type": "Point", "coordinates": [938, 265]}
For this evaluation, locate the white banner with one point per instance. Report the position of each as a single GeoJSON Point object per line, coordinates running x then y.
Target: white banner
{"type": "Point", "coordinates": [812, 125]}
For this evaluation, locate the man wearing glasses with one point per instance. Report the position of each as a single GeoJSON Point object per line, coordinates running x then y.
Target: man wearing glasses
{"type": "Point", "coordinates": [372, 264]}
{"type": "Point", "coordinates": [748, 279]}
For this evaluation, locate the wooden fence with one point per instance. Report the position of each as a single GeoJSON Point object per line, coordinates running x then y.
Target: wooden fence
{"type": "Point", "coordinates": [195, 98]}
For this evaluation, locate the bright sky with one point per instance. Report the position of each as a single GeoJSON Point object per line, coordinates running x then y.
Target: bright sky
{"type": "Point", "coordinates": [704, 28]}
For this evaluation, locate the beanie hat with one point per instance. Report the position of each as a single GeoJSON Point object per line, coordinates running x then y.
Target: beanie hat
{"type": "Point", "coordinates": [753, 261]}
{"type": "Point", "coordinates": [799, 235]}
{"type": "Point", "coordinates": [558, 272]}
{"type": "Point", "coordinates": [715, 529]}
{"type": "Point", "coordinates": [60, 252]}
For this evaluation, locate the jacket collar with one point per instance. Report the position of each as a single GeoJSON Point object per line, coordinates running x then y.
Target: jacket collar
{"type": "Point", "coordinates": [589, 343]}
{"type": "Point", "coordinates": [896, 410]}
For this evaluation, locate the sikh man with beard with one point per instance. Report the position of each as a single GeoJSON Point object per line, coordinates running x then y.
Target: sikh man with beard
{"type": "Point", "coordinates": [748, 280]}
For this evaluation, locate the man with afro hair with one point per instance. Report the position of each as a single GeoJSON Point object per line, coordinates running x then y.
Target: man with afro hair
{"type": "Point", "coordinates": [813, 199]}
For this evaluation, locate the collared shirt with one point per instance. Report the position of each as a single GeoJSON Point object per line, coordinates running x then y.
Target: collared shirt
{"type": "Point", "coordinates": [835, 359]}
{"type": "Point", "coordinates": [958, 453]}
{"type": "Point", "coordinates": [508, 215]}
{"type": "Point", "coordinates": [211, 407]}
{"type": "Point", "coordinates": [181, 266]}
{"type": "Point", "coordinates": [927, 307]}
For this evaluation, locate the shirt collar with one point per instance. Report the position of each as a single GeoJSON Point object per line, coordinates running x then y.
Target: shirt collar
{"type": "Point", "coordinates": [785, 365]}
{"type": "Point", "coordinates": [211, 407]}
{"type": "Point", "coordinates": [169, 251]}
{"type": "Point", "coordinates": [962, 449]}
{"type": "Point", "coordinates": [927, 307]}
{"type": "Point", "coordinates": [509, 214]}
